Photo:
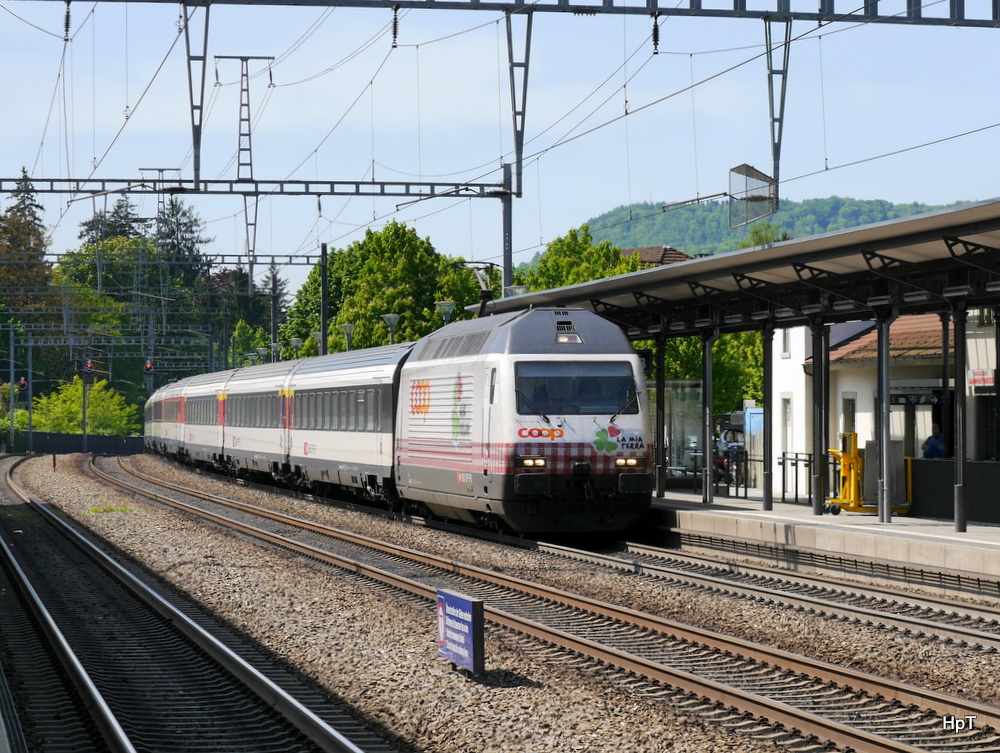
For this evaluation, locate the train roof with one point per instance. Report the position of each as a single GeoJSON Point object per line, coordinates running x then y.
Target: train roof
{"type": "Point", "coordinates": [548, 331]}
{"type": "Point", "coordinates": [386, 355]}
{"type": "Point", "coordinates": [360, 360]}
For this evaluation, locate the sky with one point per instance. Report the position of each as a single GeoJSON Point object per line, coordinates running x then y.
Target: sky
{"type": "Point", "coordinates": [874, 111]}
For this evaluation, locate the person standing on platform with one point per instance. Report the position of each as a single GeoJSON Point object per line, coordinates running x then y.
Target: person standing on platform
{"type": "Point", "coordinates": [934, 446]}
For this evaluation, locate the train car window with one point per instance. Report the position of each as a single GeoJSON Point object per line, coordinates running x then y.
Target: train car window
{"type": "Point", "coordinates": [370, 411]}
{"type": "Point", "coordinates": [362, 412]}
{"type": "Point", "coordinates": [352, 409]}
{"type": "Point", "coordinates": [575, 387]}
{"type": "Point", "coordinates": [343, 411]}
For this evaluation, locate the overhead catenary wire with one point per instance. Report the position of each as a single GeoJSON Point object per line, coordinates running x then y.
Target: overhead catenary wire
{"type": "Point", "coordinates": [632, 110]}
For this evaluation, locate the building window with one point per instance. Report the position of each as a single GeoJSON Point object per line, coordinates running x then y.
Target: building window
{"type": "Point", "coordinates": [849, 411]}
{"type": "Point", "coordinates": [786, 424]}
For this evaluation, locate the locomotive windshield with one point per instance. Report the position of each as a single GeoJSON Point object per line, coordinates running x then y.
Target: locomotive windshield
{"type": "Point", "coordinates": [575, 387]}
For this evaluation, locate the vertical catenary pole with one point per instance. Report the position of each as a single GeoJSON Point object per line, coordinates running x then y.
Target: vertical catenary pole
{"type": "Point", "coordinates": [10, 389]}
{"type": "Point", "coordinates": [197, 64]}
{"type": "Point", "coordinates": [507, 197]}
{"type": "Point", "coordinates": [31, 410]}
{"type": "Point", "coordinates": [84, 426]}
{"type": "Point", "coordinates": [322, 300]}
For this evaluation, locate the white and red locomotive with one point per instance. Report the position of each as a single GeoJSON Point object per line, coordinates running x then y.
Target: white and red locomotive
{"type": "Point", "coordinates": [534, 421]}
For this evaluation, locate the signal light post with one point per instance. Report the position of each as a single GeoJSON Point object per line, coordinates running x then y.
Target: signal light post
{"type": "Point", "coordinates": [88, 380]}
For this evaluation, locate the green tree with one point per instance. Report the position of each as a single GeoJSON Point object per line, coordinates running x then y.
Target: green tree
{"type": "Point", "coordinates": [179, 236]}
{"type": "Point", "coordinates": [107, 410]}
{"type": "Point", "coordinates": [303, 315]}
{"type": "Point", "coordinates": [390, 271]}
{"type": "Point", "coordinates": [122, 221]}
{"type": "Point", "coordinates": [401, 274]}
{"type": "Point", "coordinates": [120, 267]}
{"type": "Point", "coordinates": [24, 274]}
{"type": "Point", "coordinates": [246, 340]}
{"type": "Point", "coordinates": [574, 258]}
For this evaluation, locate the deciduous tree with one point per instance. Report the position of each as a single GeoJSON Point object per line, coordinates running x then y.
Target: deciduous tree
{"type": "Point", "coordinates": [107, 410]}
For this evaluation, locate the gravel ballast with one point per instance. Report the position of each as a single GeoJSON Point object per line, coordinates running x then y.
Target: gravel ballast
{"type": "Point", "coordinates": [379, 654]}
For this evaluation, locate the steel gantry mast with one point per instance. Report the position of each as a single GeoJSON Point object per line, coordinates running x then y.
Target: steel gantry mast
{"type": "Point", "coordinates": [244, 156]}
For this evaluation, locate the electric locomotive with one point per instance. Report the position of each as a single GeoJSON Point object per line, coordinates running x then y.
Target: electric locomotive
{"type": "Point", "coordinates": [532, 421]}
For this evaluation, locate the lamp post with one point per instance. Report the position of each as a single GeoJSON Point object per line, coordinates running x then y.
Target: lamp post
{"type": "Point", "coordinates": [252, 357]}
{"type": "Point", "coordinates": [296, 344]}
{"type": "Point", "coordinates": [318, 337]}
{"type": "Point", "coordinates": [275, 351]}
{"type": "Point", "coordinates": [262, 351]}
{"type": "Point", "coordinates": [348, 329]}
{"type": "Point", "coordinates": [391, 320]}
{"type": "Point", "coordinates": [445, 307]}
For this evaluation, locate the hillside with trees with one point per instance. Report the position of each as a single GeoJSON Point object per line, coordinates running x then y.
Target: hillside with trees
{"type": "Point", "coordinates": [703, 229]}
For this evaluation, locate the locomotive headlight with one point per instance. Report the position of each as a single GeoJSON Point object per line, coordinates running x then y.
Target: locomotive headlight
{"type": "Point", "coordinates": [630, 462]}
{"type": "Point", "coordinates": [529, 462]}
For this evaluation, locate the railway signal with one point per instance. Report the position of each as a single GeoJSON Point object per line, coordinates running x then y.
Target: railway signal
{"type": "Point", "coordinates": [88, 367]}
{"type": "Point", "coordinates": [22, 384]}
{"type": "Point", "coordinates": [148, 367]}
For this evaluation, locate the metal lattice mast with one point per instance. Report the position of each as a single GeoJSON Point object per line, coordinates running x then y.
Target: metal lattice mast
{"type": "Point", "coordinates": [244, 157]}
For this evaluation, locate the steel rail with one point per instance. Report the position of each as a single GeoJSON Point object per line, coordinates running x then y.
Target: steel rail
{"type": "Point", "coordinates": [813, 579]}
{"type": "Point", "coordinates": [100, 711]}
{"type": "Point", "coordinates": [822, 606]}
{"type": "Point", "coordinates": [806, 722]}
{"type": "Point", "coordinates": [325, 737]}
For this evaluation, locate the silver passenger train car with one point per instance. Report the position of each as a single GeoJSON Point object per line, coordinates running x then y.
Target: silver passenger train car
{"type": "Point", "coordinates": [532, 421]}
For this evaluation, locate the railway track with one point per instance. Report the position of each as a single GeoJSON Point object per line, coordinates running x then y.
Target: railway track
{"type": "Point", "coordinates": [145, 673]}
{"type": "Point", "coordinates": [921, 616]}
{"type": "Point", "coordinates": [818, 701]}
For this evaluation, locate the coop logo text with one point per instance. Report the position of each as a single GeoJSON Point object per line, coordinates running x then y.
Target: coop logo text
{"type": "Point", "coordinates": [540, 432]}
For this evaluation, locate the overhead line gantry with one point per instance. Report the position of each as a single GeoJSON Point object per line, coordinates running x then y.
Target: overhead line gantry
{"type": "Point", "coordinates": [777, 15]}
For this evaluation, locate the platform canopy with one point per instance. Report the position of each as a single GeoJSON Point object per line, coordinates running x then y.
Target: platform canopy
{"type": "Point", "coordinates": [940, 262]}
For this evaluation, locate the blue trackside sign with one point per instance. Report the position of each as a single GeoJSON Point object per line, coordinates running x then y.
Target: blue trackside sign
{"type": "Point", "coordinates": [460, 630]}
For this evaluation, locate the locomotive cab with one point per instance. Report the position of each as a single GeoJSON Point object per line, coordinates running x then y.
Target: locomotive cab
{"type": "Point", "coordinates": [534, 421]}
{"type": "Point", "coordinates": [582, 450]}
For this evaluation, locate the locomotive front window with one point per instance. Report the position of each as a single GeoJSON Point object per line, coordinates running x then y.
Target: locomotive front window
{"type": "Point", "coordinates": [575, 387]}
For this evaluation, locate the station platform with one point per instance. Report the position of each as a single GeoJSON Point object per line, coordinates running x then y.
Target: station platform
{"type": "Point", "coordinates": [790, 534]}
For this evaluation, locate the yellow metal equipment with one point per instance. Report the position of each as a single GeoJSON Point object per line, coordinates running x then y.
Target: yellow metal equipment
{"type": "Point", "coordinates": [852, 474]}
